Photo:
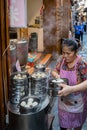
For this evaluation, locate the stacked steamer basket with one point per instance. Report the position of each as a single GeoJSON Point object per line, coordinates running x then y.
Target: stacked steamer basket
{"type": "Point", "coordinates": [18, 88]}
{"type": "Point", "coordinates": [38, 84]}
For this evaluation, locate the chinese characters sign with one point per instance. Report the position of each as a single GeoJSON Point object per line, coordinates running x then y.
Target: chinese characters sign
{"type": "Point", "coordinates": [17, 13]}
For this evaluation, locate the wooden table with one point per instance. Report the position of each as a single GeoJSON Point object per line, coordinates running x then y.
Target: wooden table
{"type": "Point", "coordinates": [40, 59]}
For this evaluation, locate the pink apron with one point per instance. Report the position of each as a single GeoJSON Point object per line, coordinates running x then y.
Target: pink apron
{"type": "Point", "coordinates": [74, 102]}
{"type": "Point", "coordinates": [71, 107]}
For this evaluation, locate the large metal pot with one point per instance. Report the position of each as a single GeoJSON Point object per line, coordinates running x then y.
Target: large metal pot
{"type": "Point", "coordinates": [22, 52]}
{"type": "Point", "coordinates": [13, 57]}
{"type": "Point", "coordinates": [37, 120]}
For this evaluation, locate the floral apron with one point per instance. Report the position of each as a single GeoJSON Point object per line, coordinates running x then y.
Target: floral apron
{"type": "Point", "coordinates": [72, 105]}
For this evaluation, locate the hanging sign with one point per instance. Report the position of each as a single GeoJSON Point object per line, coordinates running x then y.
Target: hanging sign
{"type": "Point", "coordinates": [17, 13]}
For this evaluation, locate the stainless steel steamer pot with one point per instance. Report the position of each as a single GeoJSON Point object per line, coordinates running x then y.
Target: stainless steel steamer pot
{"type": "Point", "coordinates": [54, 86]}
{"type": "Point", "coordinates": [18, 87]}
{"type": "Point", "coordinates": [37, 120]}
{"type": "Point", "coordinates": [40, 67]}
{"type": "Point", "coordinates": [38, 84]}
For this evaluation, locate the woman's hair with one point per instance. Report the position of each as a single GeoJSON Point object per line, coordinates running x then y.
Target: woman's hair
{"type": "Point", "coordinates": [72, 43]}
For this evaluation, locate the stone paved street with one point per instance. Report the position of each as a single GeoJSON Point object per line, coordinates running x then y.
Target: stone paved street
{"type": "Point", "coordinates": [83, 53]}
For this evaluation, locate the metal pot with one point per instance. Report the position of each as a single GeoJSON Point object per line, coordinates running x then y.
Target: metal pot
{"type": "Point", "coordinates": [29, 121]}
{"type": "Point", "coordinates": [40, 67]}
{"type": "Point", "coordinates": [54, 86]}
{"type": "Point", "coordinates": [18, 87]}
{"type": "Point", "coordinates": [33, 40]}
{"type": "Point", "coordinates": [13, 57]}
{"type": "Point", "coordinates": [29, 105]}
{"type": "Point", "coordinates": [53, 92]}
{"type": "Point", "coordinates": [22, 51]}
{"type": "Point", "coordinates": [38, 84]}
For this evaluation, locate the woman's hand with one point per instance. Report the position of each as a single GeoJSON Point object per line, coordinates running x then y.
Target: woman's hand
{"type": "Point", "coordinates": [55, 74]}
{"type": "Point", "coordinates": [66, 90]}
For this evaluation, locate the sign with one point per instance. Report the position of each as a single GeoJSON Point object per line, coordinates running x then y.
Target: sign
{"type": "Point", "coordinates": [17, 13]}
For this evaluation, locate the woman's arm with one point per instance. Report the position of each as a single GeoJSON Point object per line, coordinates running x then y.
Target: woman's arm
{"type": "Point", "coordinates": [66, 89]}
{"type": "Point", "coordinates": [56, 70]}
{"type": "Point", "coordinates": [55, 74]}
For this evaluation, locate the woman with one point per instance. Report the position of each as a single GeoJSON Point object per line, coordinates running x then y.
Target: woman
{"type": "Point", "coordinates": [66, 89]}
{"type": "Point", "coordinates": [72, 108]}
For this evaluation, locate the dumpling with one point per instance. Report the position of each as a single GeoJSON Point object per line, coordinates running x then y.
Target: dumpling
{"type": "Point", "coordinates": [30, 100]}
{"type": "Point", "coordinates": [35, 104]}
{"type": "Point", "coordinates": [23, 103]}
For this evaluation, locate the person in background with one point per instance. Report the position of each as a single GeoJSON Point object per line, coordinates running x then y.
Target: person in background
{"type": "Point", "coordinates": [77, 30]}
{"type": "Point", "coordinates": [84, 23]}
{"type": "Point", "coordinates": [81, 31]}
{"type": "Point", "coordinates": [66, 89]}
{"type": "Point", "coordinates": [72, 108]}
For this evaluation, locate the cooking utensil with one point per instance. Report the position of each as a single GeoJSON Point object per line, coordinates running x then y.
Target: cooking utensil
{"type": "Point", "coordinates": [40, 67]}
{"type": "Point", "coordinates": [38, 84]}
{"type": "Point", "coordinates": [54, 86]}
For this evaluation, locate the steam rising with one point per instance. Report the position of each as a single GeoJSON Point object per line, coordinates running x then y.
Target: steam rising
{"type": "Point", "coordinates": [50, 26]}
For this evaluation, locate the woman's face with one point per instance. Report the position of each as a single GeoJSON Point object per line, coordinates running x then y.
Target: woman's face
{"type": "Point", "coordinates": [68, 54]}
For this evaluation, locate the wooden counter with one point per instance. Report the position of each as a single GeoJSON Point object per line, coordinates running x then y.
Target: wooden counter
{"type": "Point", "coordinates": [40, 59]}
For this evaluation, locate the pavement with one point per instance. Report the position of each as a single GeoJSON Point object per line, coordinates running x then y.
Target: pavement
{"type": "Point", "coordinates": [54, 111]}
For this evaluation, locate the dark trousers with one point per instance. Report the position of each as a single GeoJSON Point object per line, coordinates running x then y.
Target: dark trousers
{"type": "Point", "coordinates": [81, 36]}
{"type": "Point", "coordinates": [77, 36]}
